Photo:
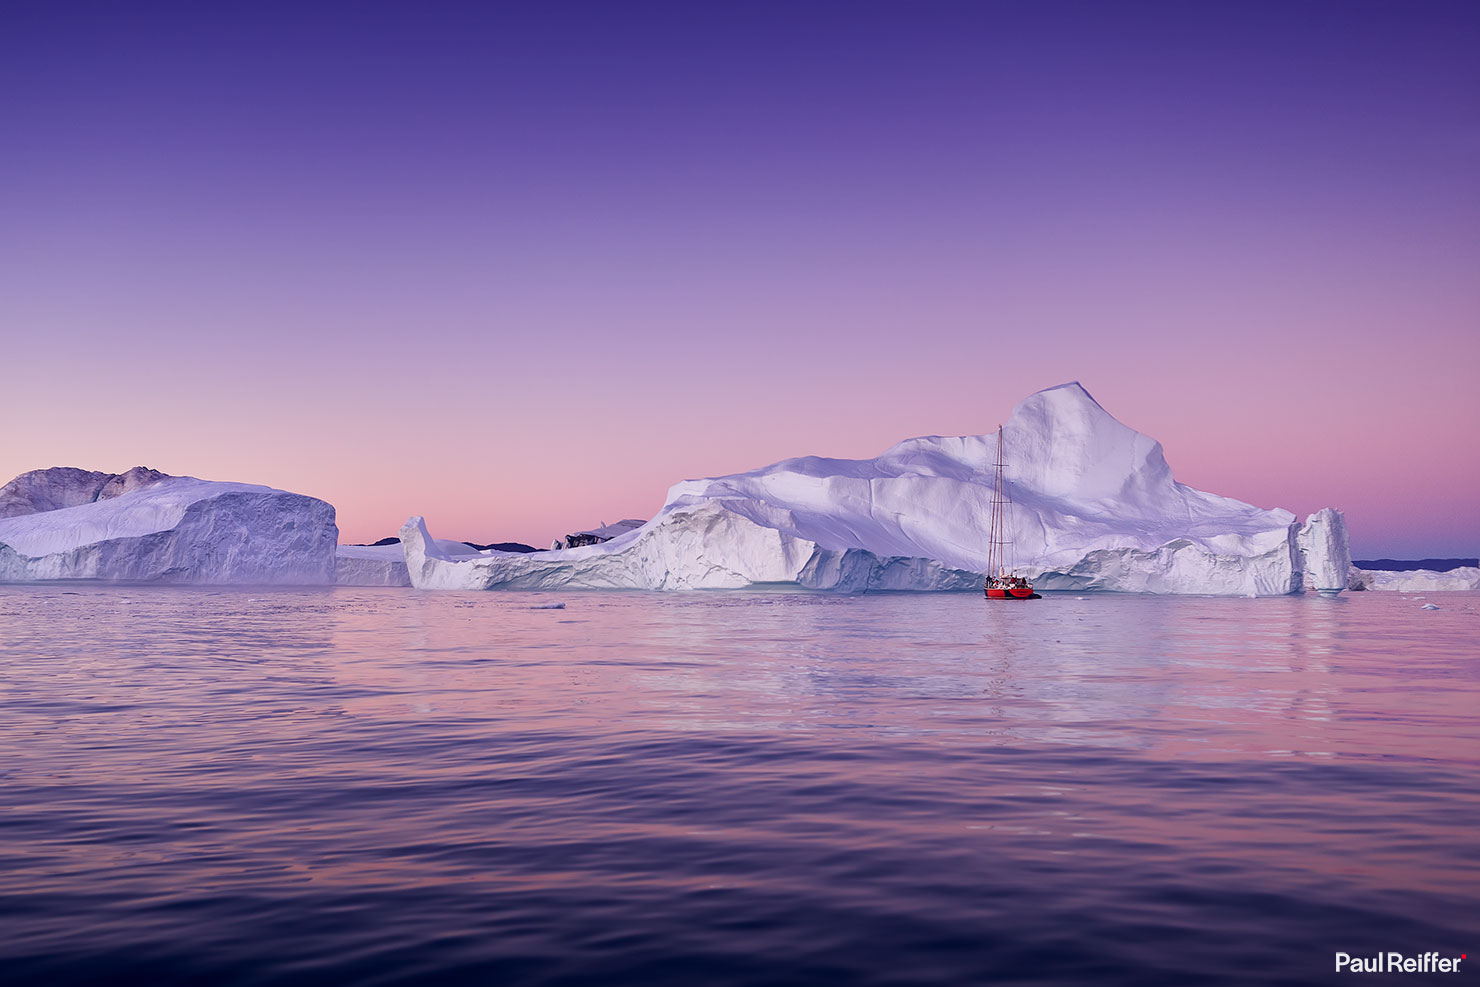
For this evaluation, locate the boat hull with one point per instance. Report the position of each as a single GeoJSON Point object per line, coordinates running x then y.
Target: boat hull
{"type": "Point", "coordinates": [1015, 593]}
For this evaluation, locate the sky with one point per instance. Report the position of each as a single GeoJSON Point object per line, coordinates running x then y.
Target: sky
{"type": "Point", "coordinates": [520, 267]}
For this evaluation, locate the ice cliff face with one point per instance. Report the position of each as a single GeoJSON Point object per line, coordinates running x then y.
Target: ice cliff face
{"type": "Point", "coordinates": [167, 529]}
{"type": "Point", "coordinates": [1326, 551]}
{"type": "Point", "coordinates": [1095, 508]}
{"type": "Point", "coordinates": [370, 565]}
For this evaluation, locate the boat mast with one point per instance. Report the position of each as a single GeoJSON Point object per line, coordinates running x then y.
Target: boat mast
{"type": "Point", "coordinates": [1008, 546]}
{"type": "Point", "coordinates": [996, 534]}
{"type": "Point", "coordinates": [1003, 582]}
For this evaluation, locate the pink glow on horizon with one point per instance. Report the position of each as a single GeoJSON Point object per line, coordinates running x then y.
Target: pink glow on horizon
{"type": "Point", "coordinates": [529, 459]}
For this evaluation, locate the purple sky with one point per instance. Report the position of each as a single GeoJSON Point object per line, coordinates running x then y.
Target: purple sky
{"type": "Point", "coordinates": [521, 268]}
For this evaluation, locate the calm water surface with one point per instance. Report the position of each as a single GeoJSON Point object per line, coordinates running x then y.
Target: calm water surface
{"type": "Point", "coordinates": [386, 787]}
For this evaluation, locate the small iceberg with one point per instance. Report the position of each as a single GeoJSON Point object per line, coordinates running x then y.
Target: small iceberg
{"type": "Point", "coordinates": [548, 606]}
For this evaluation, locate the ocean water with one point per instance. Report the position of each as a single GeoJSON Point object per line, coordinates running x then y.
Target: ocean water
{"type": "Point", "coordinates": [389, 787]}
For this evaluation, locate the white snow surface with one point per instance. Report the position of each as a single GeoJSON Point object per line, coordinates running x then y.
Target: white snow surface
{"type": "Point", "coordinates": [176, 529]}
{"type": "Point", "coordinates": [1095, 508]}
{"type": "Point", "coordinates": [1416, 580]}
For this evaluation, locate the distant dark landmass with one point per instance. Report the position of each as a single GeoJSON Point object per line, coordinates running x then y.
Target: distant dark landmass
{"type": "Point", "coordinates": [1408, 565]}
{"type": "Point", "coordinates": [498, 546]}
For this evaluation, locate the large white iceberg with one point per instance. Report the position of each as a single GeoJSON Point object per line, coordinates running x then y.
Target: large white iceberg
{"type": "Point", "coordinates": [1095, 508]}
{"type": "Point", "coordinates": [167, 529]}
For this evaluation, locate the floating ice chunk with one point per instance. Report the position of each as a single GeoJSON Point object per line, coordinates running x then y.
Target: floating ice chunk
{"type": "Point", "coordinates": [174, 529]}
{"type": "Point", "coordinates": [1415, 580]}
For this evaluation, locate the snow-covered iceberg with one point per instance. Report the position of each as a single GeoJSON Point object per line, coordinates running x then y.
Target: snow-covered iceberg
{"type": "Point", "coordinates": [162, 528]}
{"type": "Point", "coordinates": [1416, 580]}
{"type": "Point", "coordinates": [1095, 508]}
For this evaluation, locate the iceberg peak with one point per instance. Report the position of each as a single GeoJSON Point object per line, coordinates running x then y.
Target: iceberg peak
{"type": "Point", "coordinates": [1063, 443]}
{"type": "Point", "coordinates": [1071, 388]}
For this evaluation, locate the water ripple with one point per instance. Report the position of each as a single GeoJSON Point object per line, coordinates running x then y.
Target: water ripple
{"type": "Point", "coordinates": [384, 787]}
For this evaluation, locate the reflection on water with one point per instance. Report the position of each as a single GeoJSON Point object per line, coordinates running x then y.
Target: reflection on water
{"type": "Point", "coordinates": [381, 786]}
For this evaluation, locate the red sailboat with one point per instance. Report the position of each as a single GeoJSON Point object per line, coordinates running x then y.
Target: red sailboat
{"type": "Point", "coordinates": [1003, 582]}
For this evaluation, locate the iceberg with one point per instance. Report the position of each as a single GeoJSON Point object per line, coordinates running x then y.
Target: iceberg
{"type": "Point", "coordinates": [370, 565]}
{"type": "Point", "coordinates": [1095, 508]}
{"type": "Point", "coordinates": [1416, 580]}
{"type": "Point", "coordinates": [384, 565]}
{"type": "Point", "coordinates": [705, 546]}
{"type": "Point", "coordinates": [146, 526]}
